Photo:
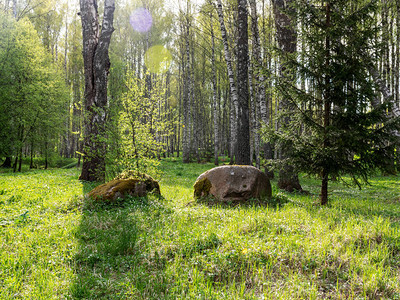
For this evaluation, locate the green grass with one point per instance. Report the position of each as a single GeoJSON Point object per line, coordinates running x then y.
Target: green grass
{"type": "Point", "coordinates": [54, 245]}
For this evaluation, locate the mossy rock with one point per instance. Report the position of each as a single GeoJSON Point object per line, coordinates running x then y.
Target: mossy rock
{"type": "Point", "coordinates": [202, 188]}
{"type": "Point", "coordinates": [152, 185]}
{"type": "Point", "coordinates": [130, 183]}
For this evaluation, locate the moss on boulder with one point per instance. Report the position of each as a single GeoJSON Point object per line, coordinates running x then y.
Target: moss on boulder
{"type": "Point", "coordinates": [130, 183]}
{"type": "Point", "coordinates": [202, 188]}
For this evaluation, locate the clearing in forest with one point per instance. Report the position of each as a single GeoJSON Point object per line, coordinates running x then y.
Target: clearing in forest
{"type": "Point", "coordinates": [55, 246]}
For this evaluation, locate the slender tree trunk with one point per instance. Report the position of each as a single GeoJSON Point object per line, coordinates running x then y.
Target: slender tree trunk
{"type": "Point", "coordinates": [193, 107]}
{"type": "Point", "coordinates": [18, 157]}
{"type": "Point", "coordinates": [178, 131]}
{"type": "Point", "coordinates": [68, 152]}
{"type": "Point", "coordinates": [252, 115]}
{"type": "Point", "coordinates": [20, 160]}
{"type": "Point", "coordinates": [31, 162]}
{"type": "Point", "coordinates": [324, 188]}
{"type": "Point", "coordinates": [15, 163]}
{"type": "Point", "coordinates": [261, 103]}
{"type": "Point", "coordinates": [397, 68]}
{"type": "Point", "coordinates": [15, 8]}
{"type": "Point", "coordinates": [243, 137]}
{"type": "Point", "coordinates": [214, 78]}
{"type": "Point", "coordinates": [286, 36]}
{"type": "Point", "coordinates": [97, 66]}
{"type": "Point", "coordinates": [232, 85]}
{"type": "Point", "coordinates": [186, 102]}
{"type": "Point", "coordinates": [327, 110]}
{"type": "Point", "coordinates": [225, 128]}
{"type": "Point", "coordinates": [386, 38]}
{"type": "Point", "coordinates": [46, 155]}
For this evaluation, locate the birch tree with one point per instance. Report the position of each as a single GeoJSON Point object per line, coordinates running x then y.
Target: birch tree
{"type": "Point", "coordinates": [214, 82]}
{"type": "Point", "coordinates": [232, 84]}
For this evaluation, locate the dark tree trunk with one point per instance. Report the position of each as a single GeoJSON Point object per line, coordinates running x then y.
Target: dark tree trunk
{"type": "Point", "coordinates": [15, 163]}
{"type": "Point", "coordinates": [46, 156]}
{"type": "Point", "coordinates": [243, 133]}
{"type": "Point", "coordinates": [7, 162]}
{"type": "Point", "coordinates": [97, 65]}
{"type": "Point", "coordinates": [327, 112]}
{"type": "Point", "coordinates": [286, 36]}
{"type": "Point", "coordinates": [324, 188]}
{"type": "Point", "coordinates": [20, 160]}
{"type": "Point", "coordinates": [288, 179]}
{"type": "Point", "coordinates": [31, 163]}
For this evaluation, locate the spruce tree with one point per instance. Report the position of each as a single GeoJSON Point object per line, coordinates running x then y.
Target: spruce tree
{"type": "Point", "coordinates": [335, 131]}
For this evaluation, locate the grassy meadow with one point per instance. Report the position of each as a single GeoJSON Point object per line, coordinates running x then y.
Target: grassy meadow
{"type": "Point", "coordinates": [56, 245]}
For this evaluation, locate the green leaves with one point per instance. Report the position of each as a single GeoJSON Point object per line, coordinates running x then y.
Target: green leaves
{"type": "Point", "coordinates": [137, 127]}
{"type": "Point", "coordinates": [32, 91]}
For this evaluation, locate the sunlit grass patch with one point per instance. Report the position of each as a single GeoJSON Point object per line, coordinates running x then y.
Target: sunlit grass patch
{"type": "Point", "coordinates": [56, 244]}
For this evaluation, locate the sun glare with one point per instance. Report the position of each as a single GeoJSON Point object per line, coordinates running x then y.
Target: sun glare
{"type": "Point", "coordinates": [158, 59]}
{"type": "Point", "coordinates": [141, 20]}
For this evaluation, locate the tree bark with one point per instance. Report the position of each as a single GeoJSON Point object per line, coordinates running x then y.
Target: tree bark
{"type": "Point", "coordinates": [15, 9]}
{"type": "Point", "coordinates": [232, 85]}
{"type": "Point", "coordinates": [7, 162]}
{"type": "Point", "coordinates": [187, 122]}
{"type": "Point", "coordinates": [243, 133]}
{"type": "Point", "coordinates": [397, 67]}
{"type": "Point", "coordinates": [96, 66]}
{"type": "Point", "coordinates": [261, 103]}
{"type": "Point", "coordinates": [20, 159]}
{"type": "Point", "coordinates": [254, 145]}
{"type": "Point", "coordinates": [387, 95]}
{"type": "Point", "coordinates": [286, 36]}
{"type": "Point", "coordinates": [214, 78]}
{"type": "Point", "coordinates": [195, 111]}
{"type": "Point", "coordinates": [327, 109]}
{"type": "Point", "coordinates": [31, 162]}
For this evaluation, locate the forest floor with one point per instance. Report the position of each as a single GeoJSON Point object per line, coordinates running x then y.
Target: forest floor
{"type": "Point", "coordinates": [56, 245]}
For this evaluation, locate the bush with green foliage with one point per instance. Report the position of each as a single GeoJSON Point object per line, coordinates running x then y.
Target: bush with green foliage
{"type": "Point", "coordinates": [136, 128]}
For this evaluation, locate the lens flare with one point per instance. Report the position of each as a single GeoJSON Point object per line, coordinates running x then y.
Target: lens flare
{"type": "Point", "coordinates": [158, 59]}
{"type": "Point", "coordinates": [141, 20]}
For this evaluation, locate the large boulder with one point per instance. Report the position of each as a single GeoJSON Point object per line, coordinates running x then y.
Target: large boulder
{"type": "Point", "coordinates": [233, 183]}
{"type": "Point", "coordinates": [127, 184]}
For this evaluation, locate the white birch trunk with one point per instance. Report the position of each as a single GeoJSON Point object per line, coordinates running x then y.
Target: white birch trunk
{"type": "Point", "coordinates": [386, 93]}
{"type": "Point", "coordinates": [232, 85]}
{"type": "Point", "coordinates": [214, 78]}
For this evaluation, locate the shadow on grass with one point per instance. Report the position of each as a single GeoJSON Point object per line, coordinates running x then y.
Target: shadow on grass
{"type": "Point", "coordinates": [113, 259]}
{"type": "Point", "coordinates": [275, 202]}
